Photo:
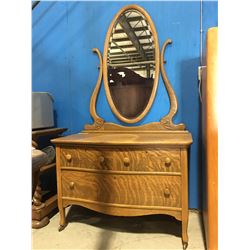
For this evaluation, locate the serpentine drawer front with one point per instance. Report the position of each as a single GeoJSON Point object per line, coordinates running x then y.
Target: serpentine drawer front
{"type": "Point", "coordinates": [136, 189]}
{"type": "Point", "coordinates": [136, 177]}
{"type": "Point", "coordinates": [122, 159]}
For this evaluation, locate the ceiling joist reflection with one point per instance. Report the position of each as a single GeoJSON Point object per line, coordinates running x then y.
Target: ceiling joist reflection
{"type": "Point", "coordinates": [131, 42]}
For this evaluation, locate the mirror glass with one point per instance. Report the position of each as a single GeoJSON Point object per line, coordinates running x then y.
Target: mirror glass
{"type": "Point", "coordinates": [131, 63]}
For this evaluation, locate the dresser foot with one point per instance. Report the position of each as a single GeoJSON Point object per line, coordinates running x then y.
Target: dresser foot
{"type": "Point", "coordinates": [184, 244]}
{"type": "Point", "coordinates": [184, 232]}
{"type": "Point", "coordinates": [61, 227]}
{"type": "Point", "coordinates": [62, 221]}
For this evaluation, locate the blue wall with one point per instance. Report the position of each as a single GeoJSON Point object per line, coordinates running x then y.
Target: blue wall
{"type": "Point", "coordinates": [63, 34]}
{"type": "Point", "coordinates": [209, 19]}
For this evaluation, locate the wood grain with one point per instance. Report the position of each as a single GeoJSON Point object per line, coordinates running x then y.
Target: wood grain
{"type": "Point", "coordinates": [184, 196]}
{"type": "Point", "coordinates": [59, 188]}
{"type": "Point", "coordinates": [210, 139]}
{"type": "Point", "coordinates": [120, 189]}
{"type": "Point", "coordinates": [98, 121]}
{"type": "Point", "coordinates": [133, 138]}
{"type": "Point", "coordinates": [167, 121]}
{"type": "Point", "coordinates": [101, 158]}
{"type": "Point", "coordinates": [89, 170]}
{"type": "Point", "coordinates": [49, 205]}
{"type": "Point", "coordinates": [121, 209]}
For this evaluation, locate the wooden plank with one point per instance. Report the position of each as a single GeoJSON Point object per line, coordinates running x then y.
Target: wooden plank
{"type": "Point", "coordinates": [184, 195]}
{"type": "Point", "coordinates": [59, 188]}
{"type": "Point", "coordinates": [122, 210]}
{"type": "Point", "coordinates": [120, 172]}
{"type": "Point", "coordinates": [210, 140]}
{"type": "Point", "coordinates": [122, 205]}
{"type": "Point", "coordinates": [166, 139]}
{"type": "Point", "coordinates": [46, 167]}
{"type": "Point", "coordinates": [50, 205]}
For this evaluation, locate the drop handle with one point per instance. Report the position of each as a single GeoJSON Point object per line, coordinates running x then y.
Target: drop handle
{"type": "Point", "coordinates": [167, 161]}
{"type": "Point", "coordinates": [68, 157]}
{"type": "Point", "coordinates": [126, 161]}
{"type": "Point", "coordinates": [167, 192]}
{"type": "Point", "coordinates": [71, 185]}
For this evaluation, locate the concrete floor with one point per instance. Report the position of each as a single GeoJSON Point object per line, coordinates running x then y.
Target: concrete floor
{"type": "Point", "coordinates": [89, 230]}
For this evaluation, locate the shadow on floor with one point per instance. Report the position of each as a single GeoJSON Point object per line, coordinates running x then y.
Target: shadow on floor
{"type": "Point", "coordinates": [139, 224]}
{"type": "Point", "coordinates": [201, 222]}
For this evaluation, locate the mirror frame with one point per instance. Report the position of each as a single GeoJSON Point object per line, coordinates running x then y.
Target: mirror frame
{"type": "Point", "coordinates": [157, 65]}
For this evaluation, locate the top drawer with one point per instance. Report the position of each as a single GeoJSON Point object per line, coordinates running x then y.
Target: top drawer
{"type": "Point", "coordinates": [121, 159]}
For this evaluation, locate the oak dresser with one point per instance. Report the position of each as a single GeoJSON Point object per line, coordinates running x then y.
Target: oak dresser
{"type": "Point", "coordinates": [127, 170]}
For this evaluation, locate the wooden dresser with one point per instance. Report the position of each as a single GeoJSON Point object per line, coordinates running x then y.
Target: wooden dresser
{"type": "Point", "coordinates": [124, 174]}
{"type": "Point", "coordinates": [127, 170]}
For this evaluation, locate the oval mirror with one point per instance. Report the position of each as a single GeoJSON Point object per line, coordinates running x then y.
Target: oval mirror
{"type": "Point", "coordinates": [131, 64]}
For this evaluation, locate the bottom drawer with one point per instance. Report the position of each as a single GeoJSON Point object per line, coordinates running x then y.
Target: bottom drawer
{"type": "Point", "coordinates": [146, 190]}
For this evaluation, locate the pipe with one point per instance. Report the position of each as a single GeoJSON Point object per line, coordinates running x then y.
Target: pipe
{"type": "Point", "coordinates": [34, 4]}
{"type": "Point", "coordinates": [201, 31]}
{"type": "Point", "coordinates": [200, 68]}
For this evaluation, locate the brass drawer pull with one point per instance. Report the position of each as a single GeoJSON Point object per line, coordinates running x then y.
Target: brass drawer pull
{"type": "Point", "coordinates": [71, 185]}
{"type": "Point", "coordinates": [126, 161]}
{"type": "Point", "coordinates": [167, 161]}
{"type": "Point", "coordinates": [68, 157]}
{"type": "Point", "coordinates": [167, 193]}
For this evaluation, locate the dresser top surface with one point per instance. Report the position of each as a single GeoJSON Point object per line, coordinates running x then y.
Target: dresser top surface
{"type": "Point", "coordinates": [172, 138]}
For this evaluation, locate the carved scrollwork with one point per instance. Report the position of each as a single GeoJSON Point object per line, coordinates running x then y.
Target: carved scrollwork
{"type": "Point", "coordinates": [98, 121]}
{"type": "Point", "coordinates": [37, 203]}
{"type": "Point", "coordinates": [96, 125]}
{"type": "Point", "coordinates": [167, 121]}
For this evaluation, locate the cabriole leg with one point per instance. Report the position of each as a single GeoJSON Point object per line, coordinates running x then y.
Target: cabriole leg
{"type": "Point", "coordinates": [184, 232]}
{"type": "Point", "coordinates": [62, 223]}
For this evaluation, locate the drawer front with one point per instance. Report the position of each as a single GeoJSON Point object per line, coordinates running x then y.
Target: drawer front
{"type": "Point", "coordinates": [144, 190]}
{"type": "Point", "coordinates": [122, 159]}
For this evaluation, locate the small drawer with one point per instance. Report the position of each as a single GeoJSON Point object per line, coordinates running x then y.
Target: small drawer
{"type": "Point", "coordinates": [144, 190]}
{"type": "Point", "coordinates": [122, 159]}
{"type": "Point", "coordinates": [148, 160]}
{"type": "Point", "coordinates": [92, 158]}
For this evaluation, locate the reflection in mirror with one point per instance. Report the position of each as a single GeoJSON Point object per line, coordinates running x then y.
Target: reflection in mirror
{"type": "Point", "coordinates": [131, 63]}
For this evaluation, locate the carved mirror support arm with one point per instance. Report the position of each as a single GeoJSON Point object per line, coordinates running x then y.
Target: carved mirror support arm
{"type": "Point", "coordinates": [98, 121]}
{"type": "Point", "coordinates": [167, 121]}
